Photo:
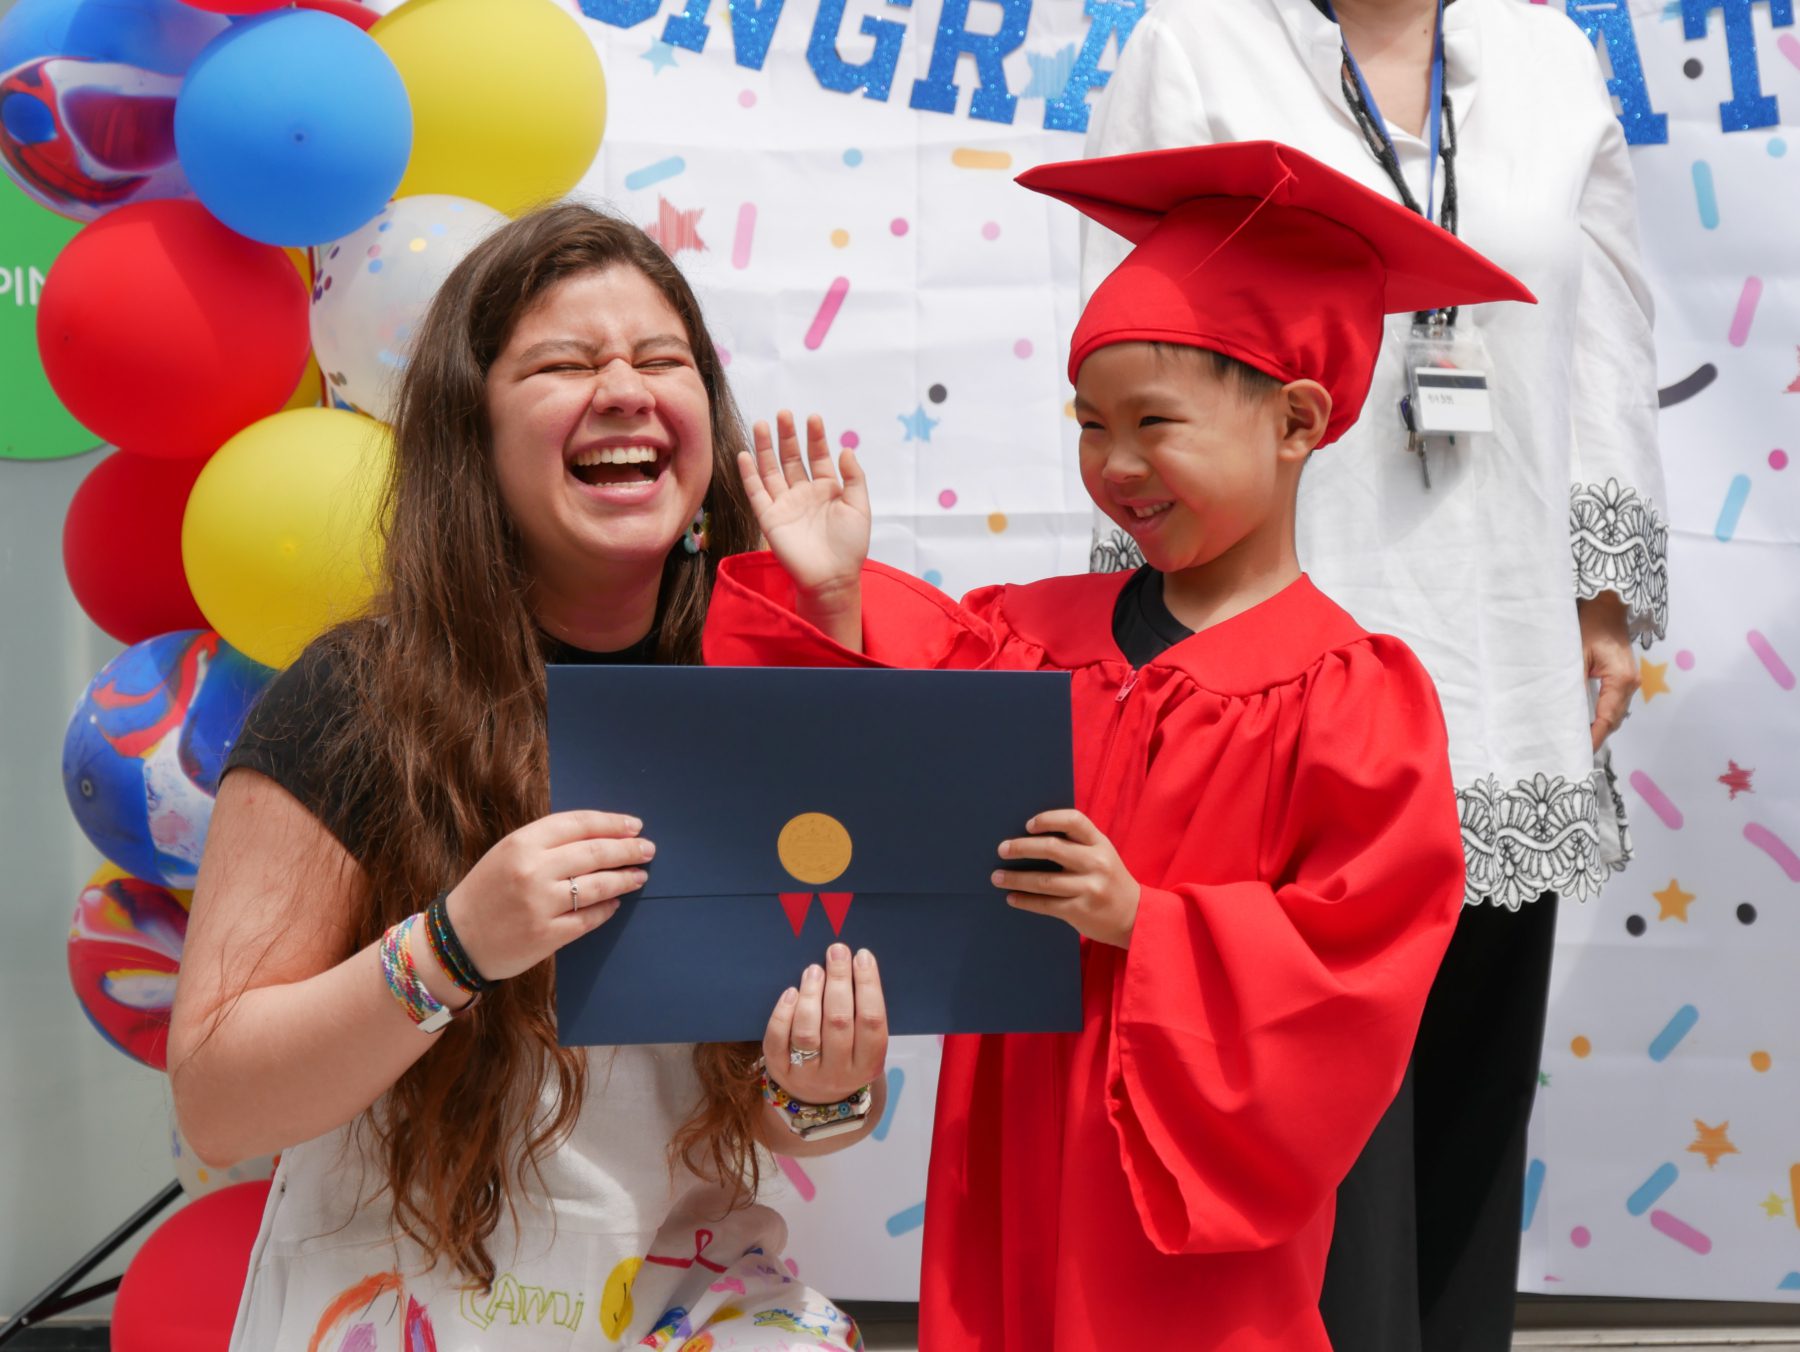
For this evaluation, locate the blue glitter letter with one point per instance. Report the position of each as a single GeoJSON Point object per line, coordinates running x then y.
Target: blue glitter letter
{"type": "Point", "coordinates": [993, 102]}
{"type": "Point", "coordinates": [620, 13]}
{"type": "Point", "coordinates": [753, 29]}
{"type": "Point", "coordinates": [1068, 111]}
{"type": "Point", "coordinates": [1748, 106]}
{"type": "Point", "coordinates": [688, 29]}
{"type": "Point", "coordinates": [1610, 21]}
{"type": "Point", "coordinates": [874, 76]}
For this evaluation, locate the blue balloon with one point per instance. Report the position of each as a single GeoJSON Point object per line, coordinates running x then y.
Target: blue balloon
{"type": "Point", "coordinates": [294, 127]}
{"type": "Point", "coordinates": [147, 744]}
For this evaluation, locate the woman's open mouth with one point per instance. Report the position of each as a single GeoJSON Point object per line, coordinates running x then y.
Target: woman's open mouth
{"type": "Point", "coordinates": [618, 465]}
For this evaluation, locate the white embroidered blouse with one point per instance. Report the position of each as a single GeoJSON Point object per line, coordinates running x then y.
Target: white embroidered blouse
{"type": "Point", "coordinates": [1479, 572]}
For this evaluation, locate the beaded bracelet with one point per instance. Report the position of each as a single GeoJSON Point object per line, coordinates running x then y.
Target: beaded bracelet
{"type": "Point", "coordinates": [403, 980]}
{"type": "Point", "coordinates": [803, 1119]}
{"type": "Point", "coordinates": [447, 948]}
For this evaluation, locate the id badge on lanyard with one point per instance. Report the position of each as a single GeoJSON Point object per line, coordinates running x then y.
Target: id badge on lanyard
{"type": "Point", "coordinates": [1448, 372]}
{"type": "Point", "coordinates": [1447, 393]}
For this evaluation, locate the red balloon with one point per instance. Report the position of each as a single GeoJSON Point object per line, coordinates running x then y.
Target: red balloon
{"type": "Point", "coordinates": [163, 331]}
{"type": "Point", "coordinates": [359, 14]}
{"type": "Point", "coordinates": [122, 546]}
{"type": "Point", "coordinates": [181, 1292]}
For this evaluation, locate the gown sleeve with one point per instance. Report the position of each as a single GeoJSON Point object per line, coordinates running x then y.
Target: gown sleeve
{"type": "Point", "coordinates": [752, 620]}
{"type": "Point", "coordinates": [1151, 102]}
{"type": "Point", "coordinates": [1616, 528]}
{"type": "Point", "coordinates": [1262, 1028]}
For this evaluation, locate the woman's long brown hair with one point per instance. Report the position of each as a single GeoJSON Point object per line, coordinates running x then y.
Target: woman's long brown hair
{"type": "Point", "coordinates": [445, 741]}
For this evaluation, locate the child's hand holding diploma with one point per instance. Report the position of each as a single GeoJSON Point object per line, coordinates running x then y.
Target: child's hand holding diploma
{"type": "Point", "coordinates": [1094, 892]}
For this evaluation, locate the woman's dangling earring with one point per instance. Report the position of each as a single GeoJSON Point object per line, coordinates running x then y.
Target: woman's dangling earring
{"type": "Point", "coordinates": [694, 538]}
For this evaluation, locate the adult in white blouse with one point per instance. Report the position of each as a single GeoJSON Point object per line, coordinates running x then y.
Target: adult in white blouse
{"type": "Point", "coordinates": [1466, 556]}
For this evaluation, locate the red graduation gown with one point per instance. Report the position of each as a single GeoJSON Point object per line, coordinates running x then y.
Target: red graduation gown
{"type": "Point", "coordinates": [1279, 786]}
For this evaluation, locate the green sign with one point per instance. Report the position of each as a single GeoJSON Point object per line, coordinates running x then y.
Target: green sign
{"type": "Point", "coordinates": [33, 423]}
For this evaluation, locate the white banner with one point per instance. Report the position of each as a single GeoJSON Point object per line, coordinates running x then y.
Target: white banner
{"type": "Point", "coordinates": [836, 180]}
{"type": "Point", "coordinates": [1666, 1147]}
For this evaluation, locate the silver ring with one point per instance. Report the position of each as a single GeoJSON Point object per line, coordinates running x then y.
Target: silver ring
{"type": "Point", "coordinates": [574, 896]}
{"type": "Point", "coordinates": [799, 1056]}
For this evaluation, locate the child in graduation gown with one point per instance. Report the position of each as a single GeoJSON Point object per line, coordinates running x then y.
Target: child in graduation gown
{"type": "Point", "coordinates": [1266, 861]}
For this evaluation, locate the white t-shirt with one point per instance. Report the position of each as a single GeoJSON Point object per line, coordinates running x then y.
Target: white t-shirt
{"type": "Point", "coordinates": [1479, 572]}
{"type": "Point", "coordinates": [614, 1250]}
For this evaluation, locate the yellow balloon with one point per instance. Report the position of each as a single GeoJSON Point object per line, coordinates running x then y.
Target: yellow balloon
{"type": "Point", "coordinates": [310, 392]}
{"type": "Point", "coordinates": [281, 538]}
{"type": "Point", "coordinates": [508, 100]}
{"type": "Point", "coordinates": [302, 264]}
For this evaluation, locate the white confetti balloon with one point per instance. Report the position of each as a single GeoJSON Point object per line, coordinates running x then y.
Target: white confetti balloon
{"type": "Point", "coordinates": [371, 289]}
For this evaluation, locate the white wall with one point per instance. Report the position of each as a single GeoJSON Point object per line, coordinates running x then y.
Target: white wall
{"type": "Point", "coordinates": [83, 1129]}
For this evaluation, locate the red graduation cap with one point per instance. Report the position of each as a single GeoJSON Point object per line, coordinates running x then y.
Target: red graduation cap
{"type": "Point", "coordinates": [1260, 252]}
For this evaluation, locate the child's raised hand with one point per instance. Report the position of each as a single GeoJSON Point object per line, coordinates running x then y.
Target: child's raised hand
{"type": "Point", "coordinates": [817, 525]}
{"type": "Point", "coordinates": [1094, 892]}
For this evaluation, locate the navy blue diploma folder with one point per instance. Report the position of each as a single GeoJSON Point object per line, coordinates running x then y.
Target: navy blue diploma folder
{"type": "Point", "coordinates": [794, 807]}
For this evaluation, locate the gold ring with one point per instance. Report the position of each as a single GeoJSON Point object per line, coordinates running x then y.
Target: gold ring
{"type": "Point", "coordinates": [574, 896]}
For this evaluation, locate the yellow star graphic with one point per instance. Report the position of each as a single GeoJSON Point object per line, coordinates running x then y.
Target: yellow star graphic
{"type": "Point", "coordinates": [1712, 1142]}
{"type": "Point", "coordinates": [1651, 680]}
{"type": "Point", "coordinates": [1774, 1205]}
{"type": "Point", "coordinates": [1673, 902]}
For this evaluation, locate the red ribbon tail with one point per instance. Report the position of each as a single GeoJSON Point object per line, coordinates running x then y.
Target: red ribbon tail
{"type": "Point", "coordinates": [837, 907]}
{"type": "Point", "coordinates": [796, 904]}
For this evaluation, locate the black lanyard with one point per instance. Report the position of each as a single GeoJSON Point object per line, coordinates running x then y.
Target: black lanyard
{"type": "Point", "coordinates": [1381, 145]}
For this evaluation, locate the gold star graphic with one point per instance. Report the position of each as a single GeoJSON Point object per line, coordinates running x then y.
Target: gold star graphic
{"type": "Point", "coordinates": [1651, 680]}
{"type": "Point", "coordinates": [1673, 902]}
{"type": "Point", "coordinates": [1773, 1205]}
{"type": "Point", "coordinates": [1712, 1142]}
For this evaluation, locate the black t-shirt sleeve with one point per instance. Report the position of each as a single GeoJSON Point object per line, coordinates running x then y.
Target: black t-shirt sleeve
{"type": "Point", "coordinates": [296, 711]}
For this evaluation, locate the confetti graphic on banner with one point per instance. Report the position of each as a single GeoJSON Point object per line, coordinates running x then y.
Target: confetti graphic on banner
{"type": "Point", "coordinates": [1687, 387]}
{"type": "Point", "coordinates": [1775, 847]}
{"type": "Point", "coordinates": [676, 230]}
{"type": "Point", "coordinates": [828, 311]}
{"type": "Point", "coordinates": [1712, 1144]}
{"type": "Point", "coordinates": [1681, 1232]}
{"type": "Point", "coordinates": [1652, 1189]}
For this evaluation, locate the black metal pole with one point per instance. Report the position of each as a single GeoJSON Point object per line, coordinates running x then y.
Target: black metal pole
{"type": "Point", "coordinates": [56, 1298]}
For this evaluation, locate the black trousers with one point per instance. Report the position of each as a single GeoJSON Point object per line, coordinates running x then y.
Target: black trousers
{"type": "Point", "coordinates": [1425, 1256]}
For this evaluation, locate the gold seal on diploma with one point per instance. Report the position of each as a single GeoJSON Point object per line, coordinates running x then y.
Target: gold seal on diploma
{"type": "Point", "coordinates": [814, 848]}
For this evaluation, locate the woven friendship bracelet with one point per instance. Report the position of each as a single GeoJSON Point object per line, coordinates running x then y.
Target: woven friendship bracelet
{"type": "Point", "coordinates": [447, 948]}
{"type": "Point", "coordinates": [403, 980]}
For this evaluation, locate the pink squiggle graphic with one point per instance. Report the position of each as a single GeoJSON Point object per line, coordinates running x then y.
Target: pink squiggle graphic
{"type": "Point", "coordinates": [828, 311]}
{"type": "Point", "coordinates": [1771, 660]}
{"type": "Point", "coordinates": [1790, 47]}
{"type": "Point", "coordinates": [746, 236]}
{"type": "Point", "coordinates": [731, 1284]}
{"type": "Point", "coordinates": [1658, 800]}
{"type": "Point", "coordinates": [1746, 311]}
{"type": "Point", "coordinates": [1776, 848]}
{"type": "Point", "coordinates": [798, 1177]}
{"type": "Point", "coordinates": [1681, 1232]}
